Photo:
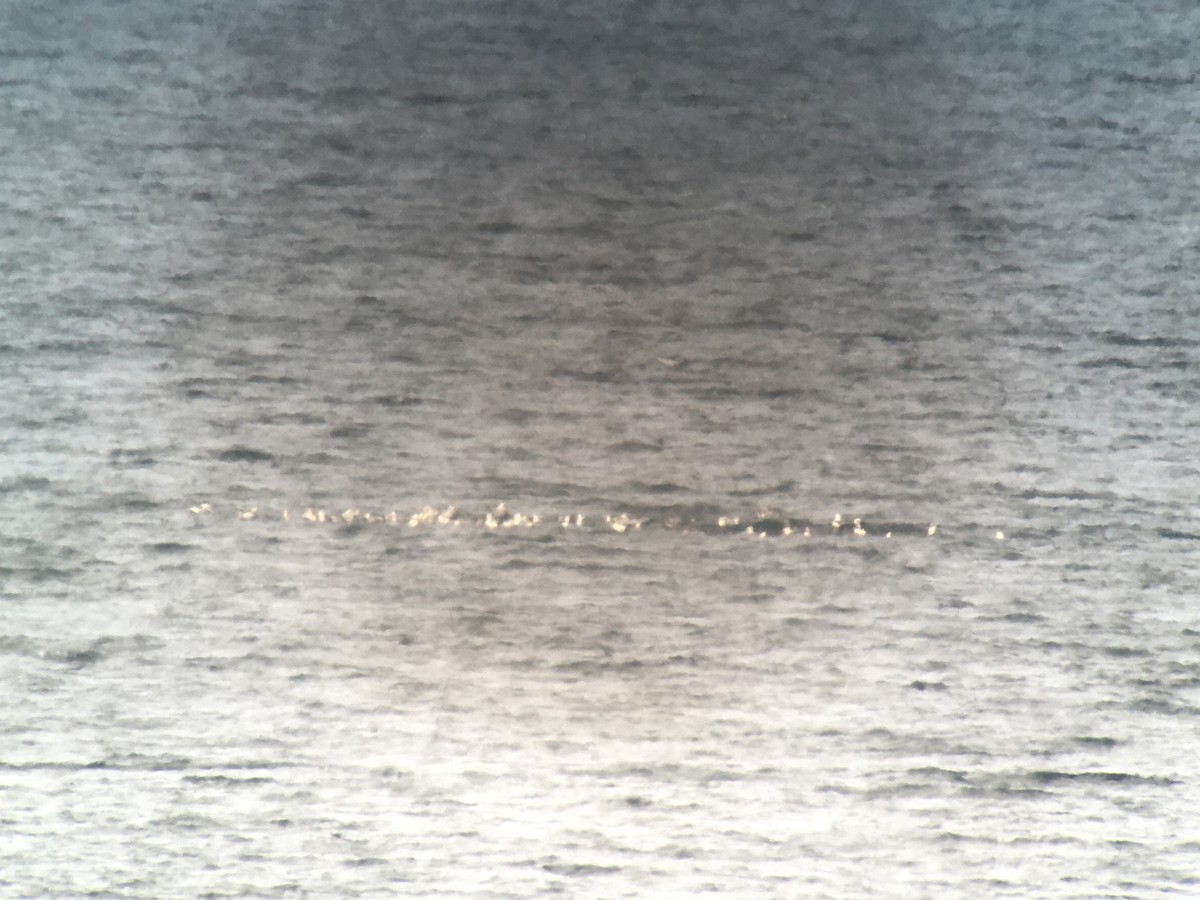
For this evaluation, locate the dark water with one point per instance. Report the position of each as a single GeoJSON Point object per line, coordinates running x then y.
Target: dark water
{"type": "Point", "coordinates": [676, 262]}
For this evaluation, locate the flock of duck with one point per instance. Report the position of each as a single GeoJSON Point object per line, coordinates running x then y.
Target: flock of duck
{"type": "Point", "coordinates": [765, 523]}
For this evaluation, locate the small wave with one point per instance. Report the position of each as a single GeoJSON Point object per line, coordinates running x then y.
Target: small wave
{"type": "Point", "coordinates": [937, 773]}
{"type": "Point", "coordinates": [38, 53]}
{"type": "Point", "coordinates": [396, 401]}
{"type": "Point", "coordinates": [593, 668]}
{"type": "Point", "coordinates": [17, 645]}
{"type": "Point", "coordinates": [114, 94]}
{"type": "Point", "coordinates": [1158, 80]}
{"type": "Point", "coordinates": [39, 574]}
{"type": "Point", "coordinates": [1018, 618]}
{"type": "Point", "coordinates": [80, 654]}
{"type": "Point", "coordinates": [324, 178]}
{"type": "Point", "coordinates": [556, 867]}
{"type": "Point", "coordinates": [227, 780]}
{"type": "Point", "coordinates": [1119, 652]}
{"type": "Point", "coordinates": [923, 686]}
{"type": "Point", "coordinates": [498, 227]}
{"type": "Point", "coordinates": [432, 99]}
{"type": "Point", "coordinates": [131, 459]}
{"type": "Point", "coordinates": [138, 56]}
{"type": "Point", "coordinates": [635, 447]}
{"type": "Point", "coordinates": [1104, 743]}
{"type": "Point", "coordinates": [1172, 534]}
{"type": "Point", "coordinates": [22, 483]}
{"type": "Point", "coordinates": [1076, 496]}
{"type": "Point", "coordinates": [1121, 339]}
{"type": "Point", "coordinates": [170, 547]}
{"type": "Point", "coordinates": [352, 96]}
{"type": "Point", "coordinates": [1162, 707]}
{"type": "Point", "coordinates": [1048, 776]}
{"type": "Point", "coordinates": [133, 501]}
{"type": "Point", "coordinates": [662, 487]}
{"type": "Point", "coordinates": [144, 762]}
{"type": "Point", "coordinates": [1039, 783]}
{"type": "Point", "coordinates": [1110, 362]}
{"type": "Point", "coordinates": [244, 454]}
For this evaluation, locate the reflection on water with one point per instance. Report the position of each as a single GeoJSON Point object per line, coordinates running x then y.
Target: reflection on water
{"type": "Point", "coordinates": [813, 389]}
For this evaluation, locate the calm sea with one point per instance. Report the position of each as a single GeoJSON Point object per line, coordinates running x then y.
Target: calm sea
{"type": "Point", "coordinates": [283, 282]}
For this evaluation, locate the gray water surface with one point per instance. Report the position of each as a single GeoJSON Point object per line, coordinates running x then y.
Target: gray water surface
{"type": "Point", "coordinates": [673, 264]}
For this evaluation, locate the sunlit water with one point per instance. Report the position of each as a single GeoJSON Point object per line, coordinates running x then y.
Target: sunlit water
{"type": "Point", "coordinates": [663, 267]}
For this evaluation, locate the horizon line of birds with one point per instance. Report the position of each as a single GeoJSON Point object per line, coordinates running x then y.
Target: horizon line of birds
{"type": "Point", "coordinates": [765, 523]}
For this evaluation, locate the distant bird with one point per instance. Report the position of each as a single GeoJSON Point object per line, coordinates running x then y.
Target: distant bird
{"type": "Point", "coordinates": [999, 535]}
{"type": "Point", "coordinates": [622, 523]}
{"type": "Point", "coordinates": [859, 531]}
{"type": "Point", "coordinates": [932, 530]}
{"type": "Point", "coordinates": [495, 517]}
{"type": "Point", "coordinates": [427, 516]}
{"type": "Point", "coordinates": [837, 521]}
{"type": "Point", "coordinates": [201, 509]}
{"type": "Point", "coordinates": [246, 515]}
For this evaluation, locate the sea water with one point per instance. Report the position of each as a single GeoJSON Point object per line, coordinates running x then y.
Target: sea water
{"type": "Point", "coordinates": [697, 278]}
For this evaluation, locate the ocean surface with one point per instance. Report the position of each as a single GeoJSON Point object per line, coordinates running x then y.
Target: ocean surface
{"type": "Point", "coordinates": [653, 295]}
